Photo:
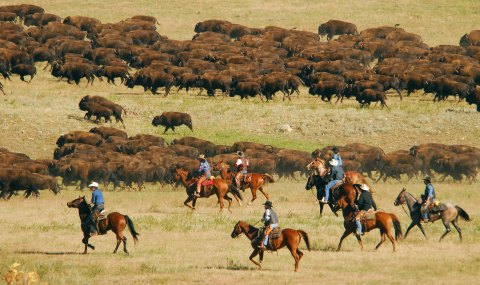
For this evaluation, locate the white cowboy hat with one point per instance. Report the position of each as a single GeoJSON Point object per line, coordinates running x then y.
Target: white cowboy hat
{"type": "Point", "coordinates": [333, 162]}
{"type": "Point", "coordinates": [93, 184]}
{"type": "Point", "coordinates": [364, 187]}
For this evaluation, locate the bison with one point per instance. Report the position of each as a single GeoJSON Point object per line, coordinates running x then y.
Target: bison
{"type": "Point", "coordinates": [336, 27]}
{"type": "Point", "coordinates": [170, 120]}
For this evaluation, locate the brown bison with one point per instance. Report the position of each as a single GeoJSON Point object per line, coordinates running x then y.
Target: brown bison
{"type": "Point", "coordinates": [336, 27]}
{"type": "Point", "coordinates": [170, 120]}
{"type": "Point", "coordinates": [116, 109]}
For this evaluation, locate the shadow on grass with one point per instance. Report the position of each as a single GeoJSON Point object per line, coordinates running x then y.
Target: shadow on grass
{"type": "Point", "coordinates": [47, 252]}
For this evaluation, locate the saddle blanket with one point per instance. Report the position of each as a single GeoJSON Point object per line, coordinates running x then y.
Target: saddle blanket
{"type": "Point", "coordinates": [207, 183]}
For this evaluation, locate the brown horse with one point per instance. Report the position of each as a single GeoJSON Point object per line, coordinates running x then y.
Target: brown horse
{"type": "Point", "coordinates": [289, 237]}
{"type": "Point", "coordinates": [114, 222]}
{"type": "Point", "coordinates": [220, 188]}
{"type": "Point", "coordinates": [382, 221]}
{"type": "Point", "coordinates": [257, 182]}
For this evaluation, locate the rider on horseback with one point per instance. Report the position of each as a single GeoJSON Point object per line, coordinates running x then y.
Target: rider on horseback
{"type": "Point", "coordinates": [365, 205]}
{"type": "Point", "coordinates": [241, 164]}
{"type": "Point", "coordinates": [98, 206]}
{"type": "Point", "coordinates": [428, 198]}
{"type": "Point", "coordinates": [336, 156]}
{"type": "Point", "coordinates": [270, 220]}
{"type": "Point", "coordinates": [336, 175]}
{"type": "Point", "coordinates": [204, 170]}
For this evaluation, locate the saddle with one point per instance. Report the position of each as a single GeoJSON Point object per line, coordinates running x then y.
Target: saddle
{"type": "Point", "coordinates": [437, 208]}
{"type": "Point", "coordinates": [103, 215]}
{"type": "Point", "coordinates": [207, 182]}
{"type": "Point", "coordinates": [247, 178]}
{"type": "Point", "coordinates": [338, 184]}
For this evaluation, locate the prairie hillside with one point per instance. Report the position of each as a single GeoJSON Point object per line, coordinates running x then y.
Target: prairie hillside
{"type": "Point", "coordinates": [179, 246]}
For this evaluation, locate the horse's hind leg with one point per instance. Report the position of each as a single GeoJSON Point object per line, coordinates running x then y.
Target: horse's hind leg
{"type": "Point", "coordinates": [382, 239]}
{"type": "Point", "coordinates": [119, 240]}
{"type": "Point", "coordinates": [447, 230]}
{"type": "Point", "coordinates": [345, 234]}
{"type": "Point", "coordinates": [229, 202]}
{"type": "Point", "coordinates": [458, 230]}
{"type": "Point", "coordinates": [125, 244]}
{"type": "Point", "coordinates": [293, 251]}
{"type": "Point", "coordinates": [254, 196]}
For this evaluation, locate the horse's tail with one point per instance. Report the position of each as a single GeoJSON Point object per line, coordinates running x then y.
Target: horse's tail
{"type": "Point", "coordinates": [131, 228]}
{"type": "Point", "coordinates": [268, 178]}
{"type": "Point", "coordinates": [462, 213]}
{"type": "Point", "coordinates": [397, 227]}
{"type": "Point", "coordinates": [235, 191]}
{"type": "Point", "coordinates": [305, 237]}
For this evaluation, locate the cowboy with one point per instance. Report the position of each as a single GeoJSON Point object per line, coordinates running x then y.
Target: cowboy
{"type": "Point", "coordinates": [428, 198]}
{"type": "Point", "coordinates": [241, 164]}
{"type": "Point", "coordinates": [366, 205]}
{"type": "Point", "coordinates": [98, 206]}
{"type": "Point", "coordinates": [270, 220]}
{"type": "Point", "coordinates": [336, 156]}
{"type": "Point", "coordinates": [336, 175]}
{"type": "Point", "coordinates": [204, 170]}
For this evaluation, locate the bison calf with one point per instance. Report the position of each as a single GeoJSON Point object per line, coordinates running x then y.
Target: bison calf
{"type": "Point", "coordinates": [173, 119]}
{"type": "Point", "coordinates": [368, 96]}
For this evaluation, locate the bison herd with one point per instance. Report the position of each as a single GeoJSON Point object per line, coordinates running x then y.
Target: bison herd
{"type": "Point", "coordinates": [109, 155]}
{"type": "Point", "coordinates": [238, 60]}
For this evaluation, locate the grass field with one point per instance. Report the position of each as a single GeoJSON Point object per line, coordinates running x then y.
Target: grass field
{"type": "Point", "coordinates": [180, 247]}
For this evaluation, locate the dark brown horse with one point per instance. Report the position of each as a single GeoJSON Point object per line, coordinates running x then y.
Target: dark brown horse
{"type": "Point", "coordinates": [319, 184]}
{"type": "Point", "coordinates": [220, 188]}
{"type": "Point", "coordinates": [114, 222]}
{"type": "Point", "coordinates": [450, 215]}
{"type": "Point", "coordinates": [289, 237]}
{"type": "Point", "coordinates": [383, 221]}
{"type": "Point", "coordinates": [257, 182]}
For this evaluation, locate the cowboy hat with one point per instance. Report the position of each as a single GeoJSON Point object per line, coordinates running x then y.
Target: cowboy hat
{"type": "Point", "coordinates": [93, 184]}
{"type": "Point", "coordinates": [201, 156]}
{"type": "Point", "coordinates": [364, 187]}
{"type": "Point", "coordinates": [428, 178]}
{"type": "Point", "coordinates": [333, 162]}
{"type": "Point", "coordinates": [335, 149]}
{"type": "Point", "coordinates": [240, 153]}
{"type": "Point", "coordinates": [268, 203]}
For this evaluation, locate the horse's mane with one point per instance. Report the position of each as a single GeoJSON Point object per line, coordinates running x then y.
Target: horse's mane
{"type": "Point", "coordinates": [252, 229]}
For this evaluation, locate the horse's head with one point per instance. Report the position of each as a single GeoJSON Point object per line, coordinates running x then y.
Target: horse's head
{"type": "Point", "coordinates": [238, 229]}
{"type": "Point", "coordinates": [76, 203]}
{"type": "Point", "coordinates": [400, 198]}
{"type": "Point", "coordinates": [310, 182]}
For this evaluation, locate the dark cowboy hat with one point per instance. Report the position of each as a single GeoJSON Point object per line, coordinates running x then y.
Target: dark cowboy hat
{"type": "Point", "coordinates": [240, 153]}
{"type": "Point", "coordinates": [335, 149]}
{"type": "Point", "coordinates": [268, 203]}
{"type": "Point", "coordinates": [428, 178]}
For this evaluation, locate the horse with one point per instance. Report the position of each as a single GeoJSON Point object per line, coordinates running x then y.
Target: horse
{"type": "Point", "coordinates": [320, 186]}
{"type": "Point", "coordinates": [450, 215]}
{"type": "Point", "coordinates": [289, 237]}
{"type": "Point", "coordinates": [114, 222]}
{"type": "Point", "coordinates": [257, 182]}
{"type": "Point", "coordinates": [220, 188]}
{"type": "Point", "coordinates": [382, 221]}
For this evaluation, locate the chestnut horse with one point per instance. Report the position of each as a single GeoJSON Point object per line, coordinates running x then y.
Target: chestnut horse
{"type": "Point", "coordinates": [257, 183]}
{"type": "Point", "coordinates": [220, 188]}
{"type": "Point", "coordinates": [382, 220]}
{"type": "Point", "coordinates": [289, 237]}
{"type": "Point", "coordinates": [114, 222]}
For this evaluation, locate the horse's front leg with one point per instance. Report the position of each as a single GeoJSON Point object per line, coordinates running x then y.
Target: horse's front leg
{"type": "Point", "coordinates": [189, 199]}
{"type": "Point", "coordinates": [447, 230]}
{"type": "Point", "coordinates": [345, 234]}
{"type": "Point", "coordinates": [261, 256]}
{"type": "Point", "coordinates": [332, 208]}
{"type": "Point", "coordinates": [255, 253]}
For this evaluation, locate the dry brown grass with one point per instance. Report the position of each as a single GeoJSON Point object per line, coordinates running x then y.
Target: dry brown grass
{"type": "Point", "coordinates": [180, 247]}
